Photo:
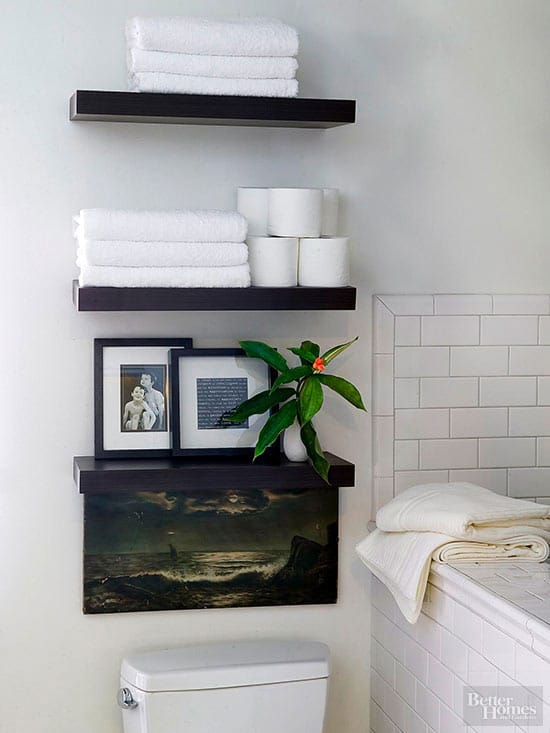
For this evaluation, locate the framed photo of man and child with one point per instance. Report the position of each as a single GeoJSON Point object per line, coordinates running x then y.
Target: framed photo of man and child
{"type": "Point", "coordinates": [160, 397]}
{"type": "Point", "coordinates": [132, 396]}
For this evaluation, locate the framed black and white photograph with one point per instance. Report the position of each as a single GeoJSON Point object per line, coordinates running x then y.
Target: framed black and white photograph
{"type": "Point", "coordinates": [132, 396]}
{"type": "Point", "coordinates": [207, 384]}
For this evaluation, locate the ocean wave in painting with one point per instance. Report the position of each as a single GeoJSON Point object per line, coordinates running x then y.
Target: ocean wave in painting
{"type": "Point", "coordinates": [186, 580]}
{"type": "Point", "coordinates": [192, 580]}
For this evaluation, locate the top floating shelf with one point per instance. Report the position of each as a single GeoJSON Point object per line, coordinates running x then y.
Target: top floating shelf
{"type": "Point", "coordinates": [199, 109]}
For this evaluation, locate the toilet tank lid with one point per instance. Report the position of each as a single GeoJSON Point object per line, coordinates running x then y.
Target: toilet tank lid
{"type": "Point", "coordinates": [238, 664]}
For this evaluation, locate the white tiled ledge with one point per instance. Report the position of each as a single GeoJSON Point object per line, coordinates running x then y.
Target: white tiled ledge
{"type": "Point", "coordinates": [461, 304]}
{"type": "Point", "coordinates": [483, 587]}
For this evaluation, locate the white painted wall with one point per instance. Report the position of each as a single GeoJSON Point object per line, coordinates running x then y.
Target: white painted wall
{"type": "Point", "coordinates": [445, 177]}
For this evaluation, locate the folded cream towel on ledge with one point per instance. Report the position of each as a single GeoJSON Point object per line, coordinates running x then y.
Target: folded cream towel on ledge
{"type": "Point", "coordinates": [178, 84]}
{"type": "Point", "coordinates": [232, 67]}
{"type": "Point", "coordinates": [449, 523]}
{"type": "Point", "coordinates": [205, 36]}
{"type": "Point", "coordinates": [165, 277]}
{"type": "Point", "coordinates": [161, 254]}
{"type": "Point", "coordinates": [462, 510]}
{"type": "Point", "coordinates": [200, 225]}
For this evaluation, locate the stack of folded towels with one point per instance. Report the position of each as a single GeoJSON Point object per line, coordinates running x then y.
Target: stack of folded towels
{"type": "Point", "coordinates": [171, 249]}
{"type": "Point", "coordinates": [449, 523]}
{"type": "Point", "coordinates": [248, 57]}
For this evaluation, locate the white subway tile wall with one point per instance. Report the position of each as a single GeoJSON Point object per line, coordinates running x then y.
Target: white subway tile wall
{"type": "Point", "coordinates": [419, 672]}
{"type": "Point", "coordinates": [407, 331]}
{"type": "Point", "coordinates": [543, 391]}
{"type": "Point", "coordinates": [504, 330]}
{"type": "Point", "coordinates": [462, 391]}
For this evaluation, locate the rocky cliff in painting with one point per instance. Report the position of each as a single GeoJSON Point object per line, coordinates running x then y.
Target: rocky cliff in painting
{"type": "Point", "coordinates": [312, 565]}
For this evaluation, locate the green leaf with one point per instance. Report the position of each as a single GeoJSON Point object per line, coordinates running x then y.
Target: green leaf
{"type": "Point", "coordinates": [314, 451]}
{"type": "Point", "coordinates": [344, 388]}
{"type": "Point", "coordinates": [331, 354]}
{"type": "Point", "coordinates": [274, 426]}
{"type": "Point", "coordinates": [259, 350]}
{"type": "Point", "coordinates": [292, 375]}
{"type": "Point", "coordinates": [305, 355]}
{"type": "Point", "coordinates": [311, 398]}
{"type": "Point", "coordinates": [260, 403]}
{"type": "Point", "coordinates": [312, 347]}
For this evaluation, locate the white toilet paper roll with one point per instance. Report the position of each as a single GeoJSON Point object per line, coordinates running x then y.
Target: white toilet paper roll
{"type": "Point", "coordinates": [252, 204]}
{"type": "Point", "coordinates": [324, 262]}
{"type": "Point", "coordinates": [295, 212]}
{"type": "Point", "coordinates": [273, 261]}
{"type": "Point", "coordinates": [329, 223]}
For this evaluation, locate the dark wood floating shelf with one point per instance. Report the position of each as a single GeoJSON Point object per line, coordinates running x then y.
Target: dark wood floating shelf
{"type": "Point", "coordinates": [98, 477]}
{"type": "Point", "coordinates": [199, 109]}
{"type": "Point", "coordinates": [213, 299]}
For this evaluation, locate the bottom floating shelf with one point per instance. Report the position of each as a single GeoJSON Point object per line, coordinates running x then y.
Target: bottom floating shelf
{"type": "Point", "coordinates": [102, 476]}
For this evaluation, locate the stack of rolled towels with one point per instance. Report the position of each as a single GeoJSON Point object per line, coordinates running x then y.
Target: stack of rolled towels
{"type": "Point", "coordinates": [172, 249]}
{"type": "Point", "coordinates": [187, 55]}
{"type": "Point", "coordinates": [292, 237]}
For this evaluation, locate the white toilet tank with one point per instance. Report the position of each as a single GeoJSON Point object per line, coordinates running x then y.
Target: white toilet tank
{"type": "Point", "coordinates": [241, 687]}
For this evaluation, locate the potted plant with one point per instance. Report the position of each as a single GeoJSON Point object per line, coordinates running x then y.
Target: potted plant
{"type": "Point", "coordinates": [300, 402]}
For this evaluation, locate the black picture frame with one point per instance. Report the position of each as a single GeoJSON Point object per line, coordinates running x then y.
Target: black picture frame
{"type": "Point", "coordinates": [104, 448]}
{"type": "Point", "coordinates": [271, 455]}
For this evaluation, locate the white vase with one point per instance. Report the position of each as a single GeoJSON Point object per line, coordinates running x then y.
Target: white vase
{"type": "Point", "coordinates": [293, 447]}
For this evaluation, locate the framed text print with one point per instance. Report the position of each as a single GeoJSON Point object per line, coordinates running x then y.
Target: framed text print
{"type": "Point", "coordinates": [207, 385]}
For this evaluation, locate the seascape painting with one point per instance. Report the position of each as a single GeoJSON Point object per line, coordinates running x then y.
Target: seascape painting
{"type": "Point", "coordinates": [157, 551]}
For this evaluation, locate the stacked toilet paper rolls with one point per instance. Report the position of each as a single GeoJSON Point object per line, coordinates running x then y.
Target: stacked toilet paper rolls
{"type": "Point", "coordinates": [307, 212]}
{"type": "Point", "coordinates": [329, 222]}
{"type": "Point", "coordinates": [294, 212]}
{"type": "Point", "coordinates": [324, 262]}
{"type": "Point", "coordinates": [273, 261]}
{"type": "Point", "coordinates": [291, 237]}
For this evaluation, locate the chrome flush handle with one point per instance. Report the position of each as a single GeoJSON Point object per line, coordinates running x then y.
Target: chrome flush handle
{"type": "Point", "coordinates": [125, 699]}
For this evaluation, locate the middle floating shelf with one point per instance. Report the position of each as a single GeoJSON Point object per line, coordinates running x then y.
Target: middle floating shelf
{"type": "Point", "coordinates": [213, 299]}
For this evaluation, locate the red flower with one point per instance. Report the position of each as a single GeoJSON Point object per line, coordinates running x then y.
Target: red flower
{"type": "Point", "coordinates": [319, 365]}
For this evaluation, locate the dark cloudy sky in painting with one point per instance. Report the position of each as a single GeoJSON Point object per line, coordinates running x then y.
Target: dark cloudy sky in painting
{"type": "Point", "coordinates": [206, 521]}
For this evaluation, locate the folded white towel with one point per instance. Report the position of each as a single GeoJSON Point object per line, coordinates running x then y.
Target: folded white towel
{"type": "Point", "coordinates": [160, 226]}
{"type": "Point", "coordinates": [464, 511]}
{"type": "Point", "coordinates": [145, 81]}
{"type": "Point", "coordinates": [402, 560]}
{"type": "Point", "coordinates": [205, 36]}
{"type": "Point", "coordinates": [161, 254]}
{"type": "Point", "coordinates": [456, 522]}
{"type": "Point", "coordinates": [232, 67]}
{"type": "Point", "coordinates": [165, 277]}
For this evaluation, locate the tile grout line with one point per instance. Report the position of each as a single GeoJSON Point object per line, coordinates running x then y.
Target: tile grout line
{"type": "Point", "coordinates": [393, 414]}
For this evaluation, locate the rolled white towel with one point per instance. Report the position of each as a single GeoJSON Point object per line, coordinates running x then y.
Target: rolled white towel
{"type": "Point", "coordinates": [402, 560]}
{"type": "Point", "coordinates": [165, 277]}
{"type": "Point", "coordinates": [232, 67]}
{"type": "Point", "coordinates": [205, 36]}
{"type": "Point", "coordinates": [161, 254]}
{"type": "Point", "coordinates": [160, 226]}
{"type": "Point", "coordinates": [144, 81]}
